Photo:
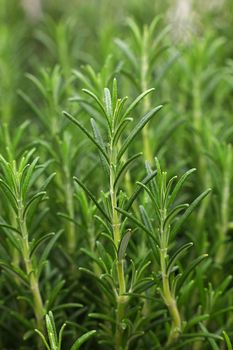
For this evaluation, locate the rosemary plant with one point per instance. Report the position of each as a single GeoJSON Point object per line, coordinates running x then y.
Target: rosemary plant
{"type": "Point", "coordinates": [161, 232]}
{"type": "Point", "coordinates": [57, 143]}
{"type": "Point", "coordinates": [127, 256]}
{"type": "Point", "coordinates": [142, 55]}
{"type": "Point", "coordinates": [115, 165]}
{"type": "Point", "coordinates": [17, 181]}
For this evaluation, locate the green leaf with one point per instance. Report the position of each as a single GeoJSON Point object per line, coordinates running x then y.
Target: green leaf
{"type": "Point", "coordinates": [222, 287]}
{"type": "Point", "coordinates": [187, 272]}
{"type": "Point", "coordinates": [39, 242]}
{"type": "Point", "coordinates": [94, 97]}
{"type": "Point", "coordinates": [92, 256]}
{"type": "Point", "coordinates": [227, 340]}
{"type": "Point", "coordinates": [127, 52]}
{"type": "Point", "coordinates": [14, 236]}
{"type": "Point", "coordinates": [36, 198]}
{"type": "Point", "coordinates": [118, 112]}
{"type": "Point", "coordinates": [195, 320]}
{"type": "Point", "coordinates": [67, 306]}
{"type": "Point", "coordinates": [86, 132]}
{"type": "Point", "coordinates": [110, 239]}
{"type": "Point", "coordinates": [16, 271]}
{"type": "Point", "coordinates": [206, 335]}
{"type": "Point", "coordinates": [102, 316]}
{"type": "Point", "coordinates": [54, 294]}
{"type": "Point", "coordinates": [38, 84]}
{"type": "Point", "coordinates": [136, 31]}
{"type": "Point", "coordinates": [60, 335]}
{"type": "Point", "coordinates": [82, 340]}
{"type": "Point", "coordinates": [210, 339]}
{"type": "Point", "coordinates": [105, 225]}
{"type": "Point", "coordinates": [114, 93]}
{"type": "Point", "coordinates": [173, 214]}
{"type": "Point", "coordinates": [33, 106]}
{"type": "Point", "coordinates": [134, 104]}
{"type": "Point", "coordinates": [145, 218]}
{"type": "Point", "coordinates": [47, 181]}
{"type": "Point", "coordinates": [168, 133]}
{"type": "Point", "coordinates": [177, 255]}
{"type": "Point", "coordinates": [179, 185]}
{"type": "Point", "coordinates": [137, 223]}
{"type": "Point", "coordinates": [145, 119]}
{"type": "Point", "coordinates": [9, 194]}
{"type": "Point", "coordinates": [120, 128]}
{"type": "Point", "coordinates": [19, 133]}
{"type": "Point", "coordinates": [126, 166]}
{"type": "Point", "coordinates": [92, 197]}
{"type": "Point", "coordinates": [100, 141]}
{"type": "Point", "coordinates": [152, 197]}
{"type": "Point", "coordinates": [43, 339]}
{"type": "Point", "coordinates": [52, 334]}
{"type": "Point", "coordinates": [188, 212]}
{"type": "Point", "coordinates": [133, 197]}
{"type": "Point", "coordinates": [28, 334]}
{"type": "Point", "coordinates": [124, 244]}
{"type": "Point", "coordinates": [82, 78]}
{"type": "Point", "coordinates": [144, 285]}
{"type": "Point", "coordinates": [97, 134]}
{"type": "Point", "coordinates": [108, 102]}
{"type": "Point", "coordinates": [26, 177]}
{"type": "Point", "coordinates": [47, 250]}
{"type": "Point", "coordinates": [132, 78]}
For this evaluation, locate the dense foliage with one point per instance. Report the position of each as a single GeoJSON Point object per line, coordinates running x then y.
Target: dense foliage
{"type": "Point", "coordinates": [116, 168]}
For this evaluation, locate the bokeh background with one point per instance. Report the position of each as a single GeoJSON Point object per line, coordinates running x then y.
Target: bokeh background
{"type": "Point", "coordinates": [46, 51]}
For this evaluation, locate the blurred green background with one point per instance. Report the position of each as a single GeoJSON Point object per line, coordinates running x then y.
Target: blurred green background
{"type": "Point", "coordinates": [46, 51]}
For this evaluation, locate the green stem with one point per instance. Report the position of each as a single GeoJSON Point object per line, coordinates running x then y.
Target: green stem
{"type": "Point", "coordinates": [146, 102]}
{"type": "Point", "coordinates": [169, 298]}
{"type": "Point", "coordinates": [38, 307]}
{"type": "Point", "coordinates": [170, 301]}
{"type": "Point", "coordinates": [121, 305]}
{"type": "Point", "coordinates": [115, 218]}
{"type": "Point", "coordinates": [145, 131]}
{"type": "Point", "coordinates": [71, 234]}
{"type": "Point", "coordinates": [64, 179]}
{"type": "Point", "coordinates": [121, 298]}
{"type": "Point", "coordinates": [201, 159]}
{"type": "Point", "coordinates": [225, 200]}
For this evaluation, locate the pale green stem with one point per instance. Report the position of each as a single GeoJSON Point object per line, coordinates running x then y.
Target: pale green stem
{"type": "Point", "coordinates": [225, 200]}
{"type": "Point", "coordinates": [71, 232]}
{"type": "Point", "coordinates": [147, 150]}
{"type": "Point", "coordinates": [121, 298]}
{"type": "Point", "coordinates": [202, 164]}
{"type": "Point", "coordinates": [33, 279]}
{"type": "Point", "coordinates": [169, 298]}
{"type": "Point", "coordinates": [170, 301]}
{"type": "Point", "coordinates": [146, 102]}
